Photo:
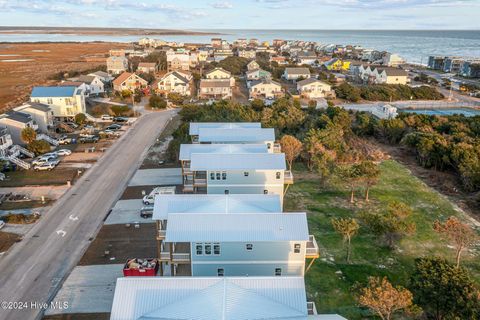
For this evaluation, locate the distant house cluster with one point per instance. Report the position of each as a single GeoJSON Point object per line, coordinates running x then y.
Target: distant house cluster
{"type": "Point", "coordinates": [466, 67]}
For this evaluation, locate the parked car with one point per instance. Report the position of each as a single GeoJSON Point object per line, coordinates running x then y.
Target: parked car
{"type": "Point", "coordinates": [47, 166]}
{"type": "Point", "coordinates": [113, 127]}
{"type": "Point", "coordinates": [50, 154]}
{"type": "Point", "coordinates": [150, 198]}
{"type": "Point", "coordinates": [64, 139]}
{"type": "Point", "coordinates": [107, 117]}
{"type": "Point", "coordinates": [42, 160]}
{"type": "Point", "coordinates": [146, 212]}
{"type": "Point", "coordinates": [72, 124]}
{"type": "Point", "coordinates": [120, 119]}
{"type": "Point", "coordinates": [89, 139]}
{"type": "Point", "coordinates": [63, 152]}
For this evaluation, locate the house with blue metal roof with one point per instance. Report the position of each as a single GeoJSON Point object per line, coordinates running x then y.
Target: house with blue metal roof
{"type": "Point", "coordinates": [64, 101]}
{"type": "Point", "coordinates": [237, 173]}
{"type": "Point", "coordinates": [213, 298]}
{"type": "Point", "coordinates": [211, 240]}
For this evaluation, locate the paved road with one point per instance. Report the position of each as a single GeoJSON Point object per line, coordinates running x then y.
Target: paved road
{"type": "Point", "coordinates": [34, 269]}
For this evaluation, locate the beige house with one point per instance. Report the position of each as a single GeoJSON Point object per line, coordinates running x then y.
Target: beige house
{"type": "Point", "coordinates": [147, 67]}
{"type": "Point", "coordinates": [178, 61]}
{"type": "Point", "coordinates": [265, 89]}
{"type": "Point", "coordinates": [128, 81]}
{"type": "Point", "coordinates": [372, 74]}
{"type": "Point", "coordinates": [247, 53]}
{"type": "Point", "coordinates": [219, 73]}
{"type": "Point", "coordinates": [215, 89]}
{"type": "Point", "coordinates": [177, 82]}
{"type": "Point", "coordinates": [295, 73]}
{"type": "Point", "coordinates": [117, 64]}
{"type": "Point", "coordinates": [253, 65]}
{"type": "Point", "coordinates": [312, 88]}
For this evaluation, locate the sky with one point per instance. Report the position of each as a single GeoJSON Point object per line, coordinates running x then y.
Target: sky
{"type": "Point", "coordinates": [244, 14]}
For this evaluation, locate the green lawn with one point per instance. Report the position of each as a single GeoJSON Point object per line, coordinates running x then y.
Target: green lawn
{"type": "Point", "coordinates": [330, 289]}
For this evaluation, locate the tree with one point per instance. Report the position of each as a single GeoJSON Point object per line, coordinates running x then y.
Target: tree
{"type": "Point", "coordinates": [157, 102]}
{"type": "Point", "coordinates": [444, 291]}
{"type": "Point", "coordinates": [120, 110]}
{"type": "Point", "coordinates": [292, 147]}
{"type": "Point", "coordinates": [461, 234]}
{"type": "Point", "coordinates": [350, 175]}
{"type": "Point", "coordinates": [39, 147]}
{"type": "Point", "coordinates": [392, 224]}
{"type": "Point", "coordinates": [369, 173]}
{"type": "Point", "coordinates": [28, 135]}
{"type": "Point", "coordinates": [176, 98]}
{"type": "Point", "coordinates": [384, 299]}
{"type": "Point", "coordinates": [347, 227]}
{"type": "Point", "coordinates": [80, 118]}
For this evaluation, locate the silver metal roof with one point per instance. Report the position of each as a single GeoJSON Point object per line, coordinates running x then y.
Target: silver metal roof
{"type": "Point", "coordinates": [166, 204]}
{"type": "Point", "coordinates": [195, 126]}
{"type": "Point", "coordinates": [209, 298]}
{"type": "Point", "coordinates": [237, 161]}
{"type": "Point", "coordinates": [236, 135]}
{"type": "Point", "coordinates": [187, 149]}
{"type": "Point", "coordinates": [240, 227]}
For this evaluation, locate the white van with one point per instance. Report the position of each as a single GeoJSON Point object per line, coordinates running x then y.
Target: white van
{"type": "Point", "coordinates": [150, 198]}
{"type": "Point", "coordinates": [107, 117]}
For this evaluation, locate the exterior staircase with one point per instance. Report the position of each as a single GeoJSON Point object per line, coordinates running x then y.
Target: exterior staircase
{"type": "Point", "coordinates": [15, 151]}
{"type": "Point", "coordinates": [52, 141]}
{"type": "Point", "coordinates": [65, 127]}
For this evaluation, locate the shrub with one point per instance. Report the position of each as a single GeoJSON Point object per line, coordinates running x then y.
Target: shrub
{"type": "Point", "coordinates": [39, 147]}
{"type": "Point", "coordinates": [157, 102]}
{"type": "Point", "coordinates": [176, 98]}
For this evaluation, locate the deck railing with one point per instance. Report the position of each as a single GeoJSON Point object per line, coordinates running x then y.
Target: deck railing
{"type": "Point", "coordinates": [288, 177]}
{"type": "Point", "coordinates": [312, 248]}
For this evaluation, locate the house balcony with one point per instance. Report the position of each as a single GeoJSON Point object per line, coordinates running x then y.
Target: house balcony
{"type": "Point", "coordinates": [180, 255]}
{"type": "Point", "coordinates": [187, 171]}
{"type": "Point", "coordinates": [312, 251]}
{"type": "Point", "coordinates": [277, 148]}
{"type": "Point", "coordinates": [161, 234]}
{"type": "Point", "coordinates": [288, 177]}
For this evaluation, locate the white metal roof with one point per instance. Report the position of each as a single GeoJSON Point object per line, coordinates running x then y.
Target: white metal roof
{"type": "Point", "coordinates": [166, 204]}
{"type": "Point", "coordinates": [236, 135]}
{"type": "Point", "coordinates": [207, 298]}
{"type": "Point", "coordinates": [240, 227]}
{"type": "Point", "coordinates": [187, 149]}
{"type": "Point", "coordinates": [237, 161]}
{"type": "Point", "coordinates": [195, 126]}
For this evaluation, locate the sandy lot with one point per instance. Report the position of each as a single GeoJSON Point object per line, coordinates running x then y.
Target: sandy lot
{"type": "Point", "coordinates": [37, 61]}
{"type": "Point", "coordinates": [7, 240]}
{"type": "Point", "coordinates": [122, 243]}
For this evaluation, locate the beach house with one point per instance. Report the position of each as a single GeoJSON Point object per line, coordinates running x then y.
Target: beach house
{"type": "Point", "coordinates": [177, 82]}
{"type": "Point", "coordinates": [129, 81]}
{"type": "Point", "coordinates": [64, 101]}
{"type": "Point", "coordinates": [296, 73]}
{"type": "Point", "coordinates": [313, 88]}
{"type": "Point", "coordinates": [265, 89]}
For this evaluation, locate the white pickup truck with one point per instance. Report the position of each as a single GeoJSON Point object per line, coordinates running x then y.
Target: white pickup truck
{"type": "Point", "coordinates": [150, 198]}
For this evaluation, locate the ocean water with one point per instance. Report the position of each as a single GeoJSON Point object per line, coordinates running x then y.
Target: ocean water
{"type": "Point", "coordinates": [415, 46]}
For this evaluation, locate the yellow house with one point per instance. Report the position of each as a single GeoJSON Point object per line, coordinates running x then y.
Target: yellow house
{"type": "Point", "coordinates": [336, 64]}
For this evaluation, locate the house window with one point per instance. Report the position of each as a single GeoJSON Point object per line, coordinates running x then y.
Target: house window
{"type": "Point", "coordinates": [245, 174]}
{"type": "Point", "coordinates": [278, 175]}
{"type": "Point", "coordinates": [265, 191]}
{"type": "Point", "coordinates": [227, 191]}
{"type": "Point", "coordinates": [199, 249]}
{"type": "Point", "coordinates": [220, 272]}
{"type": "Point", "coordinates": [216, 249]}
{"type": "Point", "coordinates": [249, 247]}
{"type": "Point", "coordinates": [49, 101]}
{"type": "Point", "coordinates": [208, 248]}
{"type": "Point", "coordinates": [218, 175]}
{"type": "Point", "coordinates": [212, 175]}
{"type": "Point", "coordinates": [278, 272]}
{"type": "Point", "coordinates": [269, 145]}
{"type": "Point", "coordinates": [296, 248]}
{"type": "Point", "coordinates": [224, 176]}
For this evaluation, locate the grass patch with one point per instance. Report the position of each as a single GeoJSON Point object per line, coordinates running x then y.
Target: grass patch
{"type": "Point", "coordinates": [22, 178]}
{"type": "Point", "coordinates": [330, 280]}
{"type": "Point", "coordinates": [7, 239]}
{"type": "Point", "coordinates": [9, 205]}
